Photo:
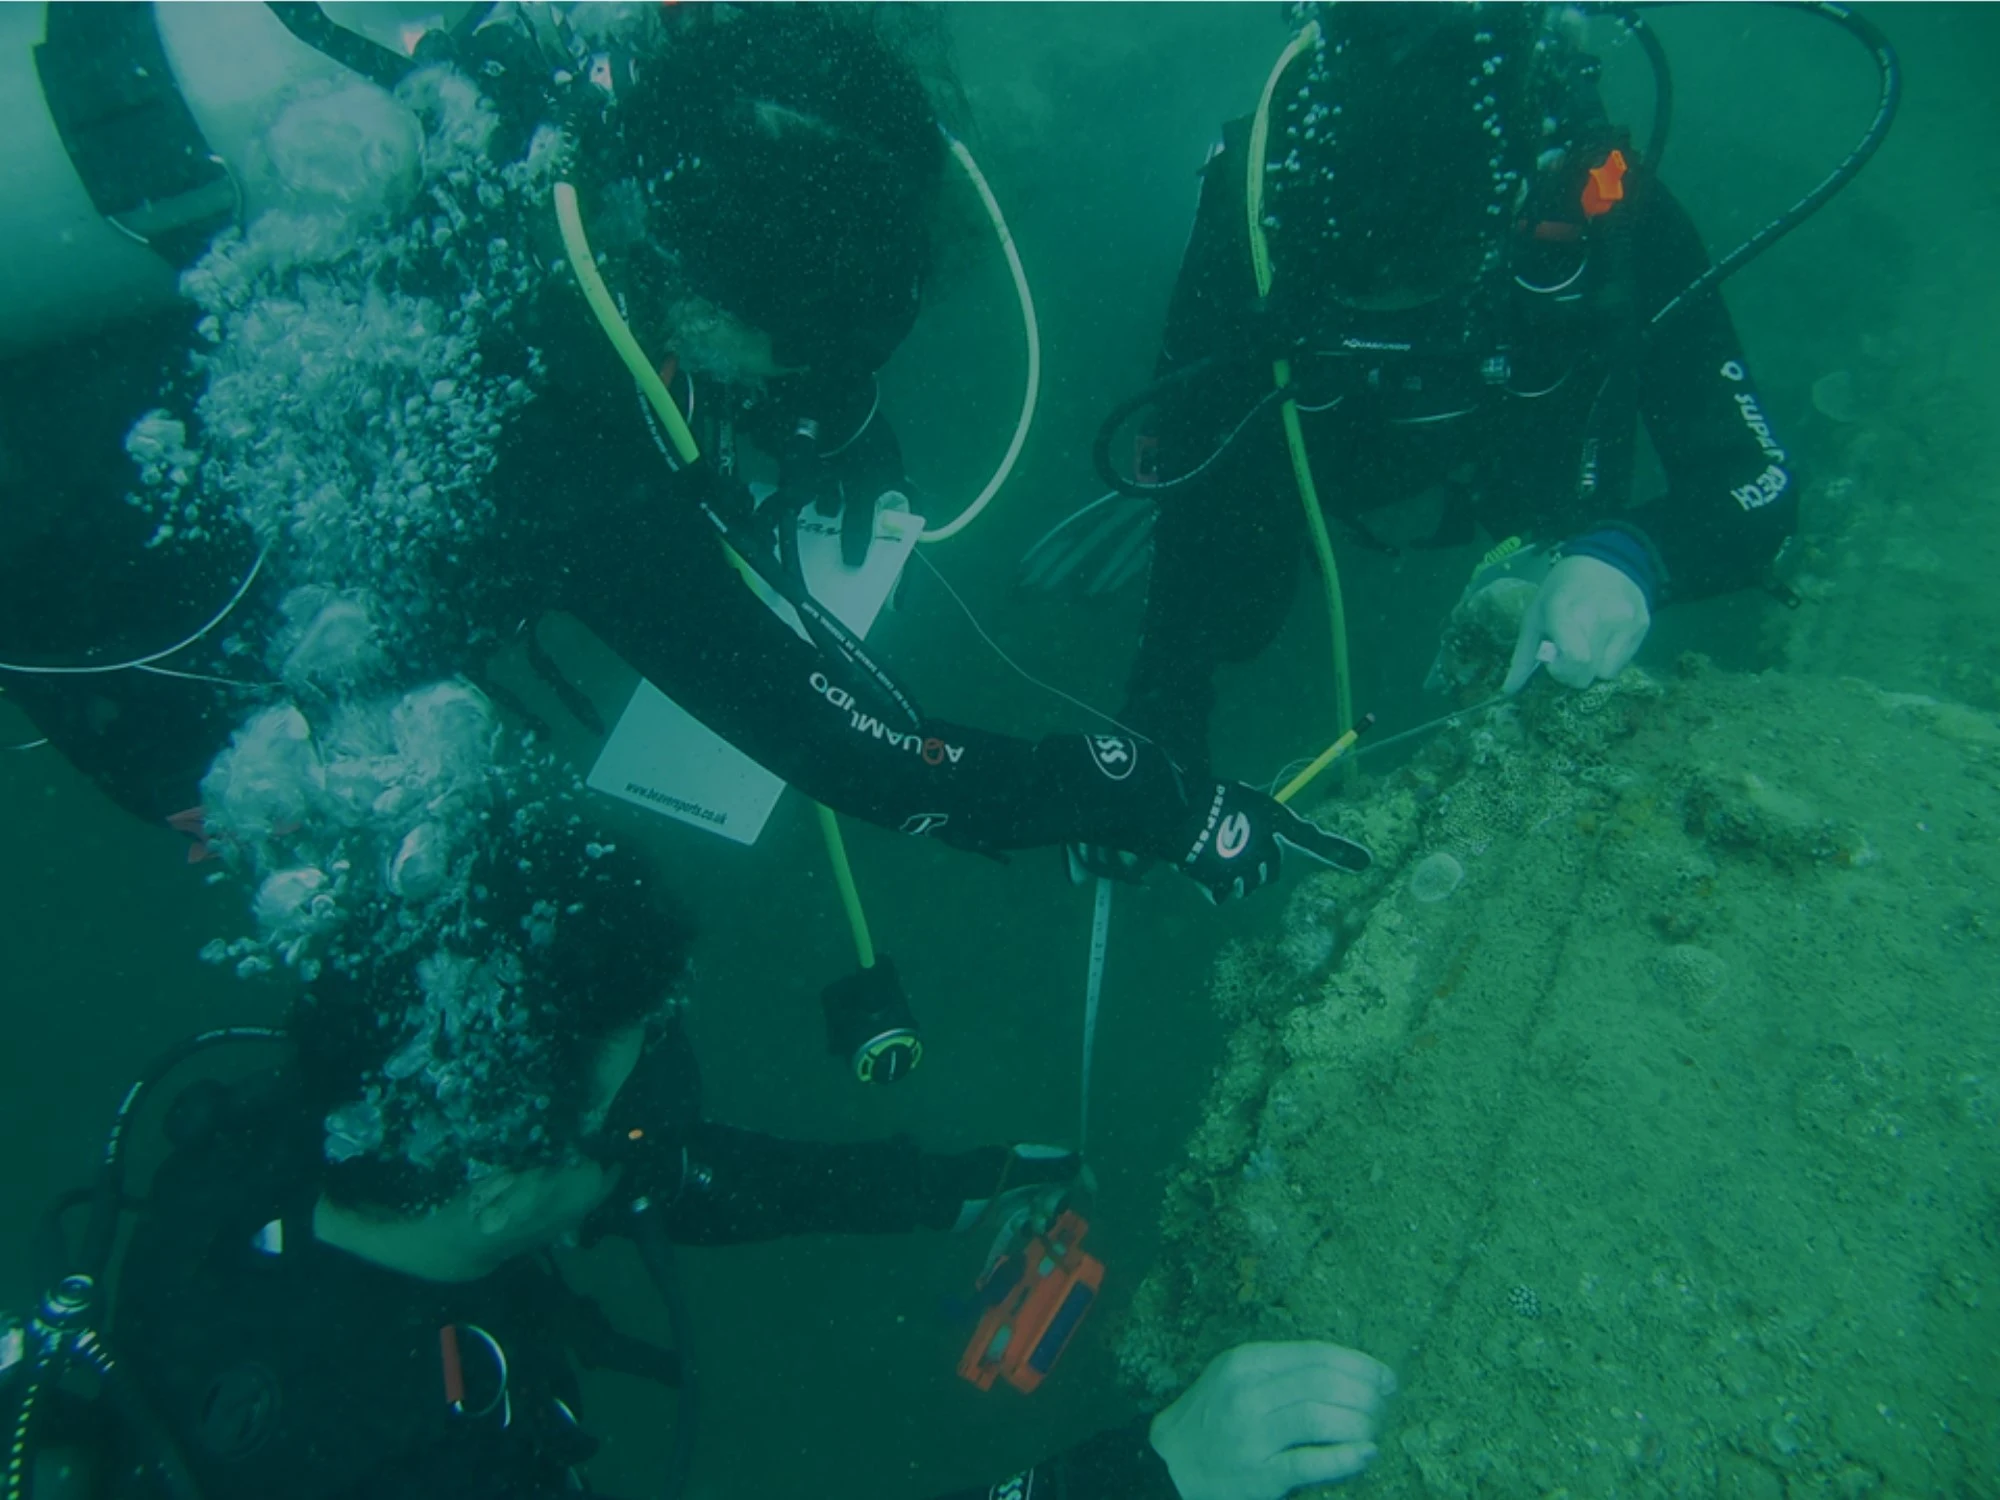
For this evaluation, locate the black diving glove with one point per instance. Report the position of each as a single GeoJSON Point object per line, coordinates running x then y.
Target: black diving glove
{"type": "Point", "coordinates": [1230, 839]}
{"type": "Point", "coordinates": [837, 453]}
{"type": "Point", "coordinates": [806, 480]}
{"type": "Point", "coordinates": [1239, 840]}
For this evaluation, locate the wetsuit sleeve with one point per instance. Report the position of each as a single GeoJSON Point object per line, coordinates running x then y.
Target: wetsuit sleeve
{"type": "Point", "coordinates": [1118, 1464]}
{"type": "Point", "coordinates": [594, 523]}
{"type": "Point", "coordinates": [653, 582]}
{"type": "Point", "coordinates": [1225, 569]}
{"type": "Point", "coordinates": [1732, 495]}
{"type": "Point", "coordinates": [739, 1186]}
{"type": "Point", "coordinates": [1227, 544]}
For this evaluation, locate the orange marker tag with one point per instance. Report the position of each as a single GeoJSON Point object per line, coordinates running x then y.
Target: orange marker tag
{"type": "Point", "coordinates": [1606, 186]}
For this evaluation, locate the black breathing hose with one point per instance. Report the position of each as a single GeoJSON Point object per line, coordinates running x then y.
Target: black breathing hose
{"type": "Point", "coordinates": [1663, 84]}
{"type": "Point", "coordinates": [1890, 71]}
{"type": "Point", "coordinates": [1131, 406]}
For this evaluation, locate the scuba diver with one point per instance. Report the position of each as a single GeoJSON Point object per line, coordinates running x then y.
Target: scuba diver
{"type": "Point", "coordinates": [340, 1281]}
{"type": "Point", "coordinates": [1429, 271]}
{"type": "Point", "coordinates": [746, 208]}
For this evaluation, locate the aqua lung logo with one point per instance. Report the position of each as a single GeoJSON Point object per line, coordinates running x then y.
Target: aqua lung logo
{"type": "Point", "coordinates": [931, 750]}
{"type": "Point", "coordinates": [1115, 755]}
{"type": "Point", "coordinates": [1020, 1487]}
{"type": "Point", "coordinates": [919, 824]}
{"type": "Point", "coordinates": [1233, 837]}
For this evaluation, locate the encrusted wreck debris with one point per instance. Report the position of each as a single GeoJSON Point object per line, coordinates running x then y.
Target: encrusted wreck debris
{"type": "Point", "coordinates": [1657, 1143]}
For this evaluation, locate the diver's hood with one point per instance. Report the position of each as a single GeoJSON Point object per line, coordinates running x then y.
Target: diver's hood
{"type": "Point", "coordinates": [789, 166]}
{"type": "Point", "coordinates": [820, 252]}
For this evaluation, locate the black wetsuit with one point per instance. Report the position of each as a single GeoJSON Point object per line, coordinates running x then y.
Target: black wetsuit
{"type": "Point", "coordinates": [283, 1367]}
{"type": "Point", "coordinates": [589, 518]}
{"type": "Point", "coordinates": [1542, 447]}
{"type": "Point", "coordinates": [615, 541]}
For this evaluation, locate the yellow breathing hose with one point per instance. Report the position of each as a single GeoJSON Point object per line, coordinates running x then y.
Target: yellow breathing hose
{"type": "Point", "coordinates": [850, 894]}
{"type": "Point", "coordinates": [577, 244]}
{"type": "Point", "coordinates": [843, 879]}
{"type": "Point", "coordinates": [1030, 327]}
{"type": "Point", "coordinates": [1281, 372]}
{"type": "Point", "coordinates": [598, 295]}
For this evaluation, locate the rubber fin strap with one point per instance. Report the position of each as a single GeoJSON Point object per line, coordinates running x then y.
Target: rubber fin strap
{"type": "Point", "coordinates": [1281, 373]}
{"type": "Point", "coordinates": [598, 295]}
{"type": "Point", "coordinates": [136, 147]}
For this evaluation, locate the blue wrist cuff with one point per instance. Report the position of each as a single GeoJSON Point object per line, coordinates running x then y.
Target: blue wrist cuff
{"type": "Point", "coordinates": [1626, 550]}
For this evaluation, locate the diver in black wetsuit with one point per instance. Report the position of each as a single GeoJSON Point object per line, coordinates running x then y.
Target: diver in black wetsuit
{"type": "Point", "coordinates": [341, 1285]}
{"type": "Point", "coordinates": [1466, 261]}
{"type": "Point", "coordinates": [761, 190]}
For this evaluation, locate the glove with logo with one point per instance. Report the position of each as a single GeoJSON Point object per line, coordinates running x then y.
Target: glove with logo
{"type": "Point", "coordinates": [1226, 837]}
{"type": "Point", "coordinates": [1236, 842]}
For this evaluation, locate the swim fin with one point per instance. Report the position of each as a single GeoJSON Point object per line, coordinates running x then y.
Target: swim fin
{"type": "Point", "coordinates": [1094, 552]}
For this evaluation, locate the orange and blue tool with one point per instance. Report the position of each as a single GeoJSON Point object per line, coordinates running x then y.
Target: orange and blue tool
{"type": "Point", "coordinates": [1036, 1299]}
